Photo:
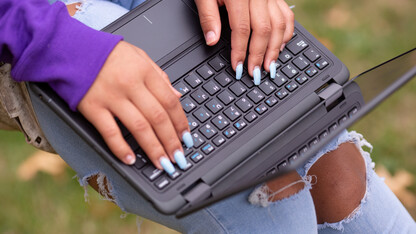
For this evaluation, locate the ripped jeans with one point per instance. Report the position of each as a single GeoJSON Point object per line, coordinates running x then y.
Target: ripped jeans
{"type": "Point", "coordinates": [247, 212]}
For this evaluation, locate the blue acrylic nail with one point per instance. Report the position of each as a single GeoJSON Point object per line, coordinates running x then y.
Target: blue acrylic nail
{"type": "Point", "coordinates": [187, 139]}
{"type": "Point", "coordinates": [180, 159]}
{"type": "Point", "coordinates": [239, 71]}
{"type": "Point", "coordinates": [256, 75]}
{"type": "Point", "coordinates": [273, 69]}
{"type": "Point", "coordinates": [167, 165]}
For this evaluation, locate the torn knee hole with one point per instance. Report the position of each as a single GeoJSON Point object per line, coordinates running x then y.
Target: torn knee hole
{"type": "Point", "coordinates": [100, 184]}
{"type": "Point", "coordinates": [73, 8]}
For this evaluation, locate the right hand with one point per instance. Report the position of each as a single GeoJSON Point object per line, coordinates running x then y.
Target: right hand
{"type": "Point", "coordinates": [131, 87]}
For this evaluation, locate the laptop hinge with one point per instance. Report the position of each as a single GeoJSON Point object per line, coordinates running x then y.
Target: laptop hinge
{"type": "Point", "coordinates": [200, 192]}
{"type": "Point", "coordinates": [331, 94]}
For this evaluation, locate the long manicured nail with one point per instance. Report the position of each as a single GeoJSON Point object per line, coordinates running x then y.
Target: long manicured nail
{"type": "Point", "coordinates": [180, 159]}
{"type": "Point", "coordinates": [272, 69]}
{"type": "Point", "coordinates": [282, 47]}
{"type": "Point", "coordinates": [239, 70]}
{"type": "Point", "coordinates": [209, 37]}
{"type": "Point", "coordinates": [130, 159]}
{"type": "Point", "coordinates": [167, 165]}
{"type": "Point", "coordinates": [187, 139]}
{"type": "Point", "coordinates": [256, 75]}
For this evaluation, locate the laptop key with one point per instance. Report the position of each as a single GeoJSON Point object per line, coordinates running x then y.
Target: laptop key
{"type": "Point", "coordinates": [301, 62]}
{"type": "Point", "coordinates": [205, 72]}
{"type": "Point", "coordinates": [198, 140]}
{"type": "Point", "coordinates": [297, 45]}
{"type": "Point", "coordinates": [238, 89]}
{"type": "Point", "coordinates": [255, 95]}
{"type": "Point", "coordinates": [301, 79]}
{"type": "Point", "coordinates": [284, 56]}
{"type": "Point", "coordinates": [293, 158]}
{"type": "Point", "coordinates": [211, 87]}
{"type": "Point", "coordinates": [290, 71]}
{"type": "Point", "coordinates": [141, 161]}
{"type": "Point", "coordinates": [281, 94]}
{"type": "Point", "coordinates": [244, 104]}
{"type": "Point", "coordinates": [261, 109]}
{"type": "Point", "coordinates": [193, 80]}
{"type": "Point", "coordinates": [152, 172]}
{"type": "Point", "coordinates": [267, 87]}
{"type": "Point", "coordinates": [247, 81]}
{"type": "Point", "coordinates": [214, 105]}
{"type": "Point", "coordinates": [175, 175]}
{"type": "Point", "coordinates": [232, 113]}
{"type": "Point", "coordinates": [323, 135]}
{"type": "Point", "coordinates": [280, 79]}
{"type": "Point", "coordinates": [208, 131]}
{"type": "Point", "coordinates": [342, 119]}
{"type": "Point", "coordinates": [218, 141]}
{"type": "Point", "coordinates": [207, 149]}
{"type": "Point", "coordinates": [182, 88]}
{"type": "Point", "coordinates": [192, 123]}
{"type": "Point", "coordinates": [313, 142]}
{"type": "Point", "coordinates": [220, 122]}
{"type": "Point", "coordinates": [226, 97]}
{"type": "Point", "coordinates": [312, 55]}
{"type": "Point", "coordinates": [188, 105]}
{"type": "Point", "coordinates": [271, 101]}
{"type": "Point", "coordinates": [199, 96]}
{"type": "Point", "coordinates": [240, 124]}
{"type": "Point", "coordinates": [250, 117]}
{"type": "Point", "coordinates": [196, 157]}
{"type": "Point", "coordinates": [202, 115]}
{"type": "Point", "coordinates": [226, 54]}
{"type": "Point", "coordinates": [321, 64]}
{"type": "Point", "coordinates": [162, 183]}
{"type": "Point", "coordinates": [291, 86]}
{"type": "Point", "coordinates": [229, 132]}
{"type": "Point", "coordinates": [186, 151]}
{"type": "Point", "coordinates": [311, 72]}
{"type": "Point", "coordinates": [132, 143]}
{"type": "Point", "coordinates": [217, 63]}
{"type": "Point", "coordinates": [282, 165]}
{"type": "Point", "coordinates": [223, 79]}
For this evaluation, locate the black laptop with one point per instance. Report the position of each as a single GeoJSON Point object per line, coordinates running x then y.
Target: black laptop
{"type": "Point", "coordinates": [243, 134]}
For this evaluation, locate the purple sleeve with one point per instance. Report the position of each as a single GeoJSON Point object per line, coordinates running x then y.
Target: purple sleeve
{"type": "Point", "coordinates": [44, 44]}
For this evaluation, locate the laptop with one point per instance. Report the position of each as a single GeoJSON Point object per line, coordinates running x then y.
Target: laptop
{"type": "Point", "coordinates": [243, 134]}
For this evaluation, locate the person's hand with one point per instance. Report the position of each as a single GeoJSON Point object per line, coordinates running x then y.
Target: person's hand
{"type": "Point", "coordinates": [131, 87]}
{"type": "Point", "coordinates": [271, 23]}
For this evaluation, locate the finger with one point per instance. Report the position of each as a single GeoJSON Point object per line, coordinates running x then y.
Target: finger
{"type": "Point", "coordinates": [209, 17]}
{"type": "Point", "coordinates": [173, 107]}
{"type": "Point", "coordinates": [159, 70]}
{"type": "Point", "coordinates": [161, 123]}
{"type": "Point", "coordinates": [278, 29]}
{"type": "Point", "coordinates": [142, 131]}
{"type": "Point", "coordinates": [106, 125]}
{"type": "Point", "coordinates": [239, 17]}
{"type": "Point", "coordinates": [262, 28]}
{"type": "Point", "coordinates": [289, 19]}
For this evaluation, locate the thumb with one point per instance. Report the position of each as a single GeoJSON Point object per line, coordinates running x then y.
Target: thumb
{"type": "Point", "coordinates": [209, 17]}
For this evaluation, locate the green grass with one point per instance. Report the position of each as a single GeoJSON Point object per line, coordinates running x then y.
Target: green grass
{"type": "Point", "coordinates": [361, 33]}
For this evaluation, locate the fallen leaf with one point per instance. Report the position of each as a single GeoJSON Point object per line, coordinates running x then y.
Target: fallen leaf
{"type": "Point", "coordinates": [41, 161]}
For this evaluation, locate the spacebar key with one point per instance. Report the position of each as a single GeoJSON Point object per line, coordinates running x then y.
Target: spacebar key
{"type": "Point", "coordinates": [191, 60]}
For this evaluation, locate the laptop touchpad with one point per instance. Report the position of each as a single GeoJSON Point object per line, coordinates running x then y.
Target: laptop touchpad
{"type": "Point", "coordinates": [162, 28]}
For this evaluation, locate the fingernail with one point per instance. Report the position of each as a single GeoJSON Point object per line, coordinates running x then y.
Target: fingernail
{"type": "Point", "coordinates": [272, 69]}
{"type": "Point", "coordinates": [210, 37]}
{"type": "Point", "coordinates": [130, 159]}
{"type": "Point", "coordinates": [167, 165]}
{"type": "Point", "coordinates": [180, 159]}
{"type": "Point", "coordinates": [239, 70]}
{"type": "Point", "coordinates": [256, 75]}
{"type": "Point", "coordinates": [282, 47]}
{"type": "Point", "coordinates": [187, 139]}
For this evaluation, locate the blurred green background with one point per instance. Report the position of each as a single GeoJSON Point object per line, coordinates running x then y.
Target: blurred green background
{"type": "Point", "coordinates": [361, 33]}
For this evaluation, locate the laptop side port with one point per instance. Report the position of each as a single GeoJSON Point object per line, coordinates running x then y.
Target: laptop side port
{"type": "Point", "coordinates": [331, 93]}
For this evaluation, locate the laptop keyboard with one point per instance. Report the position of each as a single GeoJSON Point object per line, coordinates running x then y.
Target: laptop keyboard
{"type": "Point", "coordinates": [219, 107]}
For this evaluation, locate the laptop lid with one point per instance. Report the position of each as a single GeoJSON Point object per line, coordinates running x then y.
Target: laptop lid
{"type": "Point", "coordinates": [376, 84]}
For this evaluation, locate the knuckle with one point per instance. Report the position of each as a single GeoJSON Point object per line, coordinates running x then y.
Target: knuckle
{"type": "Point", "coordinates": [264, 30]}
{"type": "Point", "coordinates": [171, 102]}
{"type": "Point", "coordinates": [140, 125]}
{"type": "Point", "coordinates": [243, 29]}
{"type": "Point", "coordinates": [281, 25]}
{"type": "Point", "coordinates": [159, 116]}
{"type": "Point", "coordinates": [207, 19]}
{"type": "Point", "coordinates": [110, 133]}
{"type": "Point", "coordinates": [291, 15]}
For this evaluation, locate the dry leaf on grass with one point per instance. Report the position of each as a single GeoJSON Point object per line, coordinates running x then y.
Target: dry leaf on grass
{"type": "Point", "coordinates": [40, 161]}
{"type": "Point", "coordinates": [398, 184]}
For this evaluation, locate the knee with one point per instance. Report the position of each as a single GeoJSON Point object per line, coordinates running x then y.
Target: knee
{"type": "Point", "coordinates": [340, 185]}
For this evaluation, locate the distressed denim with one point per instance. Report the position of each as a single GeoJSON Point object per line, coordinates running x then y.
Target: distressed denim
{"type": "Point", "coordinates": [379, 212]}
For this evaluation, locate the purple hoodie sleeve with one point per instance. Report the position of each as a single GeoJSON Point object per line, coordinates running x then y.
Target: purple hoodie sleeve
{"type": "Point", "coordinates": [44, 44]}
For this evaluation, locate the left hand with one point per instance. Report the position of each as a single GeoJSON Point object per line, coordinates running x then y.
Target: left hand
{"type": "Point", "coordinates": [270, 21]}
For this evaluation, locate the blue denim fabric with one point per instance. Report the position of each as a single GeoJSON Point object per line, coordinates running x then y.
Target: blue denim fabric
{"type": "Point", "coordinates": [379, 212]}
